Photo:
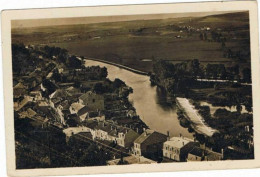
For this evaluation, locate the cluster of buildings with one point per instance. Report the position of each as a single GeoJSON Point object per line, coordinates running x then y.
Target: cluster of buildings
{"type": "Point", "coordinates": [148, 147]}
{"type": "Point", "coordinates": [75, 111]}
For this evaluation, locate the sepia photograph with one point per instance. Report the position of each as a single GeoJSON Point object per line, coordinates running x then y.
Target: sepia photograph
{"type": "Point", "coordinates": [117, 90]}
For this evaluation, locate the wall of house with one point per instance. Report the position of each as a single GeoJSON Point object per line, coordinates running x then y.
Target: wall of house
{"type": "Point", "coordinates": [129, 139]}
{"type": "Point", "coordinates": [93, 101]}
{"type": "Point", "coordinates": [192, 157]}
{"type": "Point", "coordinates": [137, 149]}
{"type": "Point", "coordinates": [171, 152]}
{"type": "Point", "coordinates": [101, 134]}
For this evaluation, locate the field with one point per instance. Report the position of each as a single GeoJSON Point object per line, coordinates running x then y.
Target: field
{"type": "Point", "coordinates": [138, 43]}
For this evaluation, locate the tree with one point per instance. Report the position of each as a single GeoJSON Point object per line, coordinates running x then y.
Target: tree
{"type": "Point", "coordinates": [247, 75]}
{"type": "Point", "coordinates": [103, 73]}
{"type": "Point", "coordinates": [201, 138]}
{"type": "Point", "coordinates": [73, 62]}
{"type": "Point", "coordinates": [248, 107]}
{"type": "Point", "coordinates": [99, 88]}
{"type": "Point", "coordinates": [201, 36]}
{"type": "Point", "coordinates": [204, 111]}
{"type": "Point", "coordinates": [118, 83]}
{"type": "Point", "coordinates": [56, 75]}
{"type": "Point", "coordinates": [205, 36]}
{"type": "Point", "coordinates": [195, 70]}
{"type": "Point", "coordinates": [220, 113]}
{"type": "Point", "coordinates": [239, 108]}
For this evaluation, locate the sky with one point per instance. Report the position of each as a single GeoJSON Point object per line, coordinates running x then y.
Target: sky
{"type": "Point", "coordinates": [100, 19]}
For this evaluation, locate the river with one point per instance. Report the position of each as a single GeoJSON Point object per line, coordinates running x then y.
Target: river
{"type": "Point", "coordinates": [147, 101]}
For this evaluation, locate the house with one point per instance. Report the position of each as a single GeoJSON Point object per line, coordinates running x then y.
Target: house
{"type": "Point", "coordinates": [177, 148]}
{"type": "Point", "coordinates": [28, 113]}
{"type": "Point", "coordinates": [131, 160]}
{"type": "Point", "coordinates": [75, 107]}
{"type": "Point", "coordinates": [72, 120]}
{"type": "Point", "coordinates": [121, 136]}
{"type": "Point", "coordinates": [83, 113]}
{"type": "Point", "coordinates": [63, 108]}
{"type": "Point", "coordinates": [73, 131]}
{"type": "Point", "coordinates": [27, 100]}
{"type": "Point", "coordinates": [92, 100]}
{"type": "Point", "coordinates": [126, 136]}
{"type": "Point", "coordinates": [196, 154]}
{"type": "Point", "coordinates": [73, 91]}
{"type": "Point", "coordinates": [37, 95]}
{"type": "Point", "coordinates": [19, 90]}
{"type": "Point", "coordinates": [60, 93]}
{"type": "Point", "coordinates": [203, 154]}
{"type": "Point", "coordinates": [131, 113]}
{"type": "Point", "coordinates": [149, 144]}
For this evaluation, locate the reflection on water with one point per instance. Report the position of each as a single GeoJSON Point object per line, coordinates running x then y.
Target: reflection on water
{"type": "Point", "coordinates": [148, 100]}
{"type": "Point", "coordinates": [214, 108]}
{"type": "Point", "coordinates": [161, 100]}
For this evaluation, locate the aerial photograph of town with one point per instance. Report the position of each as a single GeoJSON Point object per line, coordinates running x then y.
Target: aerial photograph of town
{"type": "Point", "coordinates": [136, 89]}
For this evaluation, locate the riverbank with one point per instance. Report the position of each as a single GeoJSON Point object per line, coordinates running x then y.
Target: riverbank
{"type": "Point", "coordinates": [120, 66]}
{"type": "Point", "coordinates": [146, 100]}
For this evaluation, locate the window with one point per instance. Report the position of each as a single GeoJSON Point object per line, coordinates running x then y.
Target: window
{"type": "Point", "coordinates": [93, 100]}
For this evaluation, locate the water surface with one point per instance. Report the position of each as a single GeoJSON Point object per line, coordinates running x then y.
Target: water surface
{"type": "Point", "coordinates": [148, 103]}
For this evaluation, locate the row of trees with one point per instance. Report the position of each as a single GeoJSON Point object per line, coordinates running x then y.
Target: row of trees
{"type": "Point", "coordinates": [192, 69]}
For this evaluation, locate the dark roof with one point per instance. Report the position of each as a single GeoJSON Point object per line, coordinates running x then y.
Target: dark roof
{"type": "Point", "coordinates": [86, 96]}
{"type": "Point", "coordinates": [151, 137]}
{"type": "Point", "coordinates": [60, 93]}
{"type": "Point", "coordinates": [91, 124]}
{"type": "Point", "coordinates": [93, 114]}
{"type": "Point", "coordinates": [65, 104]}
{"type": "Point", "coordinates": [113, 130]}
{"type": "Point", "coordinates": [25, 101]}
{"type": "Point", "coordinates": [19, 86]}
{"type": "Point", "coordinates": [66, 112]}
{"type": "Point", "coordinates": [83, 110]}
{"type": "Point", "coordinates": [197, 151]}
{"type": "Point", "coordinates": [188, 147]}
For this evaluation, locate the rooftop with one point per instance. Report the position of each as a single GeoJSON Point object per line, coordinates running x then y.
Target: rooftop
{"type": "Point", "coordinates": [178, 142]}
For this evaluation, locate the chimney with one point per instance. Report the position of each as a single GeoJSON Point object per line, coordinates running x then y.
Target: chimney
{"type": "Point", "coordinates": [145, 133]}
{"type": "Point", "coordinates": [168, 135]}
{"type": "Point", "coordinates": [222, 153]}
{"type": "Point", "coordinates": [137, 130]}
{"type": "Point", "coordinates": [203, 154]}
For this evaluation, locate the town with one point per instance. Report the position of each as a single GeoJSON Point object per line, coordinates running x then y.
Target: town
{"type": "Point", "coordinates": [65, 110]}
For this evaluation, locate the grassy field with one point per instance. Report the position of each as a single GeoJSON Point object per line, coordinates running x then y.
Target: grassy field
{"type": "Point", "coordinates": [130, 42]}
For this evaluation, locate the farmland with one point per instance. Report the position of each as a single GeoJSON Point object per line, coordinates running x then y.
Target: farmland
{"type": "Point", "coordinates": [138, 43]}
